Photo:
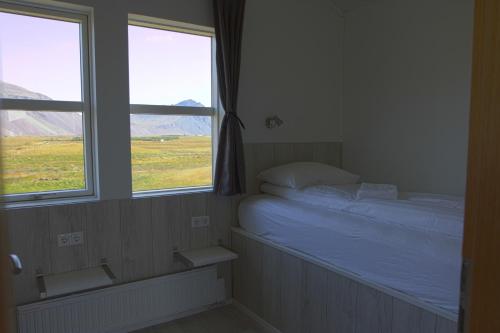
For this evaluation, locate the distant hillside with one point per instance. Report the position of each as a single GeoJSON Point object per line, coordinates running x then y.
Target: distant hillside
{"type": "Point", "coordinates": [8, 90]}
{"type": "Point", "coordinates": [148, 125]}
{"type": "Point", "coordinates": [29, 123]}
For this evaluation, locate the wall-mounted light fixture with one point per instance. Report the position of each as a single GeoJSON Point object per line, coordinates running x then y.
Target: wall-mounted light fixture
{"type": "Point", "coordinates": [273, 122]}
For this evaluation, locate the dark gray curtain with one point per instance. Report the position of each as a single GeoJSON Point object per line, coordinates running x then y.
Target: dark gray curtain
{"type": "Point", "coordinates": [230, 165]}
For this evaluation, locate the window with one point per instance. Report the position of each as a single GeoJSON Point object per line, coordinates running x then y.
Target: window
{"type": "Point", "coordinates": [45, 104]}
{"type": "Point", "coordinates": [172, 94]}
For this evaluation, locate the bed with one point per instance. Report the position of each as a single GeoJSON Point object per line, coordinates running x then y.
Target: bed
{"type": "Point", "coordinates": [408, 249]}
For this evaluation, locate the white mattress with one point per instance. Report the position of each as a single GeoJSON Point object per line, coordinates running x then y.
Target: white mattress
{"type": "Point", "coordinates": [420, 263]}
{"type": "Point", "coordinates": [420, 211]}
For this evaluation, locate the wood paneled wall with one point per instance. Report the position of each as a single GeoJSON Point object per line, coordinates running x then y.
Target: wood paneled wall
{"type": "Point", "coordinates": [295, 295]}
{"type": "Point", "coordinates": [137, 236]}
{"type": "Point", "coordinates": [260, 156]}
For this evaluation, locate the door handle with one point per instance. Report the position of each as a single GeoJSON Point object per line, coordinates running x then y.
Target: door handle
{"type": "Point", "coordinates": [17, 266]}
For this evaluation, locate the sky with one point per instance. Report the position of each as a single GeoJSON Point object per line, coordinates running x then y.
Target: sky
{"type": "Point", "coordinates": [43, 55]}
{"type": "Point", "coordinates": [168, 67]}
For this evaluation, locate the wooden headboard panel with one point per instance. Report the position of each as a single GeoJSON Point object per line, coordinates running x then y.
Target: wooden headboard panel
{"type": "Point", "coordinates": [261, 156]}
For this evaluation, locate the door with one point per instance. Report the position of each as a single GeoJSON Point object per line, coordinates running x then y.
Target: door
{"type": "Point", "coordinates": [6, 270]}
{"type": "Point", "coordinates": [481, 250]}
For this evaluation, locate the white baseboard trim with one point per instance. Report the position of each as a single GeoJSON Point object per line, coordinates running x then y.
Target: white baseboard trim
{"type": "Point", "coordinates": [261, 322]}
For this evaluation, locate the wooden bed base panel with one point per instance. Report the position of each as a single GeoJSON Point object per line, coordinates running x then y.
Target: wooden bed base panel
{"type": "Point", "coordinates": [296, 293]}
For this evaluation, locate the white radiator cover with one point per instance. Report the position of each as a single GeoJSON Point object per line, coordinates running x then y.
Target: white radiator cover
{"type": "Point", "coordinates": [125, 307]}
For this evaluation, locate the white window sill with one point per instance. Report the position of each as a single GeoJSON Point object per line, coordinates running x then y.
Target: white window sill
{"type": "Point", "coordinates": [48, 202]}
{"type": "Point", "coordinates": [90, 199]}
{"type": "Point", "coordinates": [178, 191]}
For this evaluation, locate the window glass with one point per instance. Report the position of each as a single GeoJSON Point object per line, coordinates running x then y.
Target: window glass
{"type": "Point", "coordinates": [169, 68]}
{"type": "Point", "coordinates": [40, 56]}
{"type": "Point", "coordinates": [42, 151]}
{"type": "Point", "coordinates": [171, 138]}
{"type": "Point", "coordinates": [170, 152]}
{"type": "Point", "coordinates": [43, 131]}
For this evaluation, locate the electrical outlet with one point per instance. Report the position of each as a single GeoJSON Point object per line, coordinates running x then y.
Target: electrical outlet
{"type": "Point", "coordinates": [200, 221]}
{"type": "Point", "coordinates": [70, 239]}
{"type": "Point", "coordinates": [76, 238]}
{"type": "Point", "coordinates": [63, 240]}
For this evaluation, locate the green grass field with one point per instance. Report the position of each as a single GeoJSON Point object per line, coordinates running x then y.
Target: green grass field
{"type": "Point", "coordinates": [36, 164]}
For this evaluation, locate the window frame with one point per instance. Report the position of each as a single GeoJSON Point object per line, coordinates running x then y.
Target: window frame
{"type": "Point", "coordinates": [84, 106]}
{"type": "Point", "coordinates": [152, 109]}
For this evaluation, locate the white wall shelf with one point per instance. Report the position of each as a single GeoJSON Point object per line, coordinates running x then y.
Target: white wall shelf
{"type": "Point", "coordinates": [75, 281]}
{"type": "Point", "coordinates": [206, 256]}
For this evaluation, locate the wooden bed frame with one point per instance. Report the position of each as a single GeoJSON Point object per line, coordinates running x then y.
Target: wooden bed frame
{"type": "Point", "coordinates": [295, 292]}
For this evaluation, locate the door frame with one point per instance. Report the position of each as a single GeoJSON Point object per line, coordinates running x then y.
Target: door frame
{"type": "Point", "coordinates": [480, 297]}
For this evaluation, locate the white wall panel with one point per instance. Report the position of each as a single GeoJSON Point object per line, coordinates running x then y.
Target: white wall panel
{"type": "Point", "coordinates": [407, 89]}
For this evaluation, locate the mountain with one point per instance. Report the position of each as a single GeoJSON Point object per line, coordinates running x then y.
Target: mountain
{"type": "Point", "coordinates": [190, 102]}
{"type": "Point", "coordinates": [17, 123]}
{"type": "Point", "coordinates": [31, 123]}
{"type": "Point", "coordinates": [149, 125]}
{"type": "Point", "coordinates": [8, 90]}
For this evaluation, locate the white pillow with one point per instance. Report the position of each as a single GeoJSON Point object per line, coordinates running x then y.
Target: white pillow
{"type": "Point", "coordinates": [301, 174]}
{"type": "Point", "coordinates": [377, 191]}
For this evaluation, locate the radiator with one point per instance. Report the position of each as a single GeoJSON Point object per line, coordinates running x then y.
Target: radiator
{"type": "Point", "coordinates": [125, 307]}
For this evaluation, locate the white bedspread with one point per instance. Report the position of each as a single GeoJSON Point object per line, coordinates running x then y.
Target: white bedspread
{"type": "Point", "coordinates": [419, 211]}
{"type": "Point", "coordinates": [421, 263]}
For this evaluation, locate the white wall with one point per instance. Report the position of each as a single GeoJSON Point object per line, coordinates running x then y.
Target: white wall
{"type": "Point", "coordinates": [292, 67]}
{"type": "Point", "coordinates": [406, 102]}
{"type": "Point", "coordinates": [111, 115]}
